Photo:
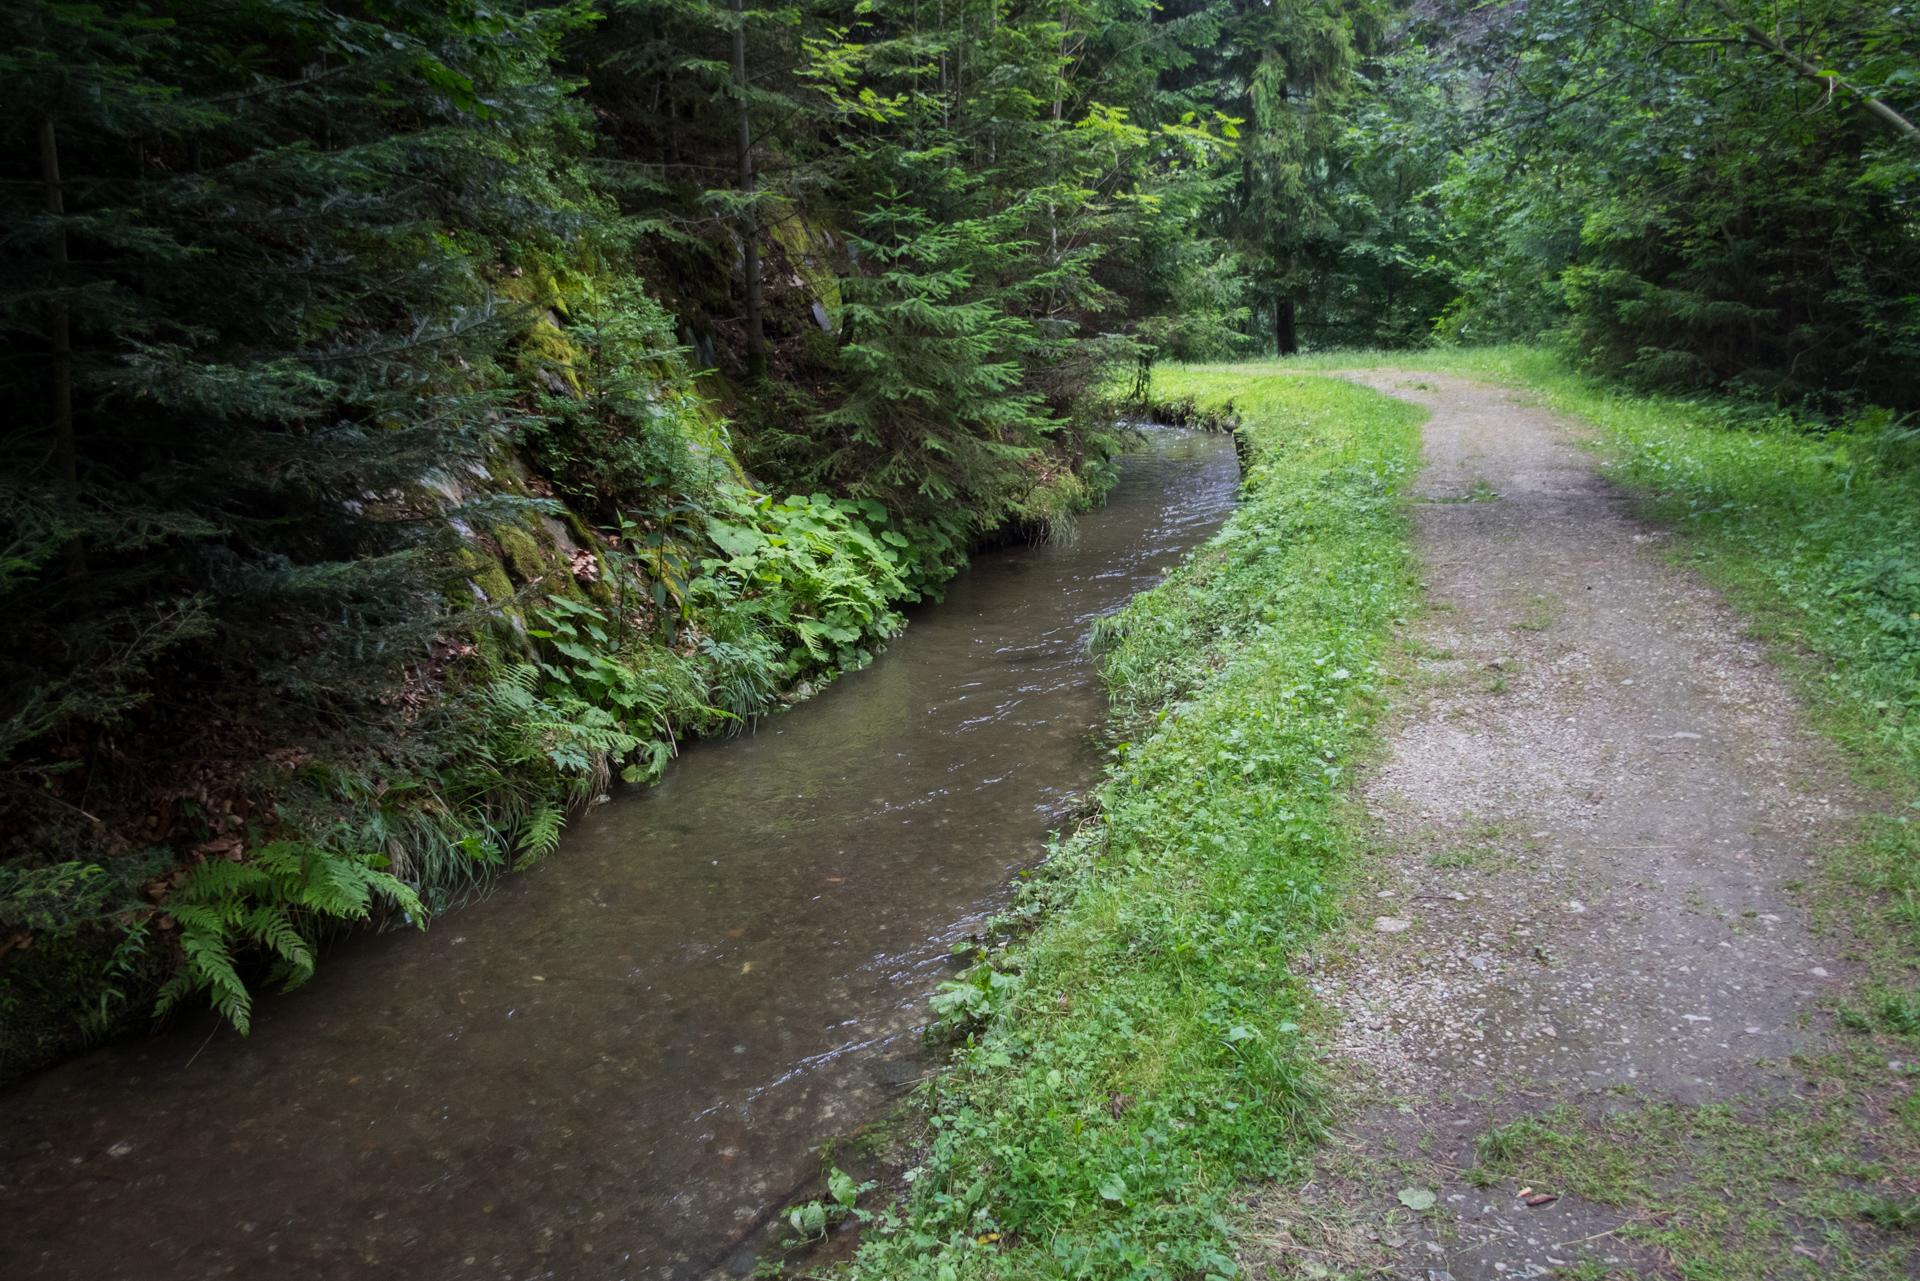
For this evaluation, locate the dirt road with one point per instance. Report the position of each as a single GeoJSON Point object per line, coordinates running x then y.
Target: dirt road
{"type": "Point", "coordinates": [1589, 834]}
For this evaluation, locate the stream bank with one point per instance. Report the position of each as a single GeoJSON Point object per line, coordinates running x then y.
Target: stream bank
{"type": "Point", "coordinates": [1128, 1063]}
{"type": "Point", "coordinates": [621, 1063]}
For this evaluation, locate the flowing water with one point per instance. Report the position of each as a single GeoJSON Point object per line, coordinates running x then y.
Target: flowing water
{"type": "Point", "coordinates": [623, 1062]}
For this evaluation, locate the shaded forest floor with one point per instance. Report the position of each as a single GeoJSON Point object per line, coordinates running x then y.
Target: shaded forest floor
{"type": "Point", "coordinates": [1607, 1003]}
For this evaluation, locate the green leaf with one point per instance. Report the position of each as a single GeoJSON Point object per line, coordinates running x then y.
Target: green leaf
{"type": "Point", "coordinates": [1416, 1199]}
{"type": "Point", "coordinates": [1113, 1188]}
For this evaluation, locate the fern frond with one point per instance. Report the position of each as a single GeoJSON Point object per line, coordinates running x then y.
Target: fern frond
{"type": "Point", "coordinates": [219, 879]}
{"type": "Point", "coordinates": [271, 927]}
{"type": "Point", "coordinates": [543, 830]}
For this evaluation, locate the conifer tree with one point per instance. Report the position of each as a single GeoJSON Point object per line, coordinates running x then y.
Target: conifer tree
{"type": "Point", "coordinates": [1289, 69]}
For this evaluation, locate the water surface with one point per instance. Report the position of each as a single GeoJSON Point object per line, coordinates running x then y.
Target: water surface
{"type": "Point", "coordinates": [624, 1061]}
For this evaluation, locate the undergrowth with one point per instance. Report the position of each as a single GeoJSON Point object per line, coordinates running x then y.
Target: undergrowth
{"type": "Point", "coordinates": [1139, 1054]}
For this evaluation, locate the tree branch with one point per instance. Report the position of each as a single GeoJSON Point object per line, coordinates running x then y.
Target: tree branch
{"type": "Point", "coordinates": [1879, 110]}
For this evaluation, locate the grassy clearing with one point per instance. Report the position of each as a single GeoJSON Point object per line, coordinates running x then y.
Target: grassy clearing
{"type": "Point", "coordinates": [1140, 1053]}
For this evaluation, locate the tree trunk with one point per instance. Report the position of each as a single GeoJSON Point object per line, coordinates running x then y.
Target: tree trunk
{"type": "Point", "coordinates": [750, 254]}
{"type": "Point", "coordinates": [60, 322]}
{"type": "Point", "coordinates": [1286, 333]}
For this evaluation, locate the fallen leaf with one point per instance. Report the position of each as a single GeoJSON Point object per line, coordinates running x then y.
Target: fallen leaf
{"type": "Point", "coordinates": [1416, 1199]}
{"type": "Point", "coordinates": [1543, 1198]}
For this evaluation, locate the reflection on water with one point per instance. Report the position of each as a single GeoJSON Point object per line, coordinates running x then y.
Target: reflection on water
{"type": "Point", "coordinates": [618, 1064]}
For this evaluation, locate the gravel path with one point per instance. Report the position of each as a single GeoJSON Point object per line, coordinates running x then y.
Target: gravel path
{"type": "Point", "coordinates": [1597, 804]}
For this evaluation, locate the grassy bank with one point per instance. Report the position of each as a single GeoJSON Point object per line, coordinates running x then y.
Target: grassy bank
{"type": "Point", "coordinates": [1139, 1054]}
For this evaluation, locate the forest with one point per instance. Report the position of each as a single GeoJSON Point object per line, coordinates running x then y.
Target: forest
{"type": "Point", "coordinates": [425, 412]}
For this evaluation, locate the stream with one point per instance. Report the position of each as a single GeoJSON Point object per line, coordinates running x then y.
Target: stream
{"type": "Point", "coordinates": [625, 1059]}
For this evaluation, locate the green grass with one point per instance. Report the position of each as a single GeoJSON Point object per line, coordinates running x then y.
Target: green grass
{"type": "Point", "coordinates": [1732, 1193]}
{"type": "Point", "coordinates": [1139, 1054]}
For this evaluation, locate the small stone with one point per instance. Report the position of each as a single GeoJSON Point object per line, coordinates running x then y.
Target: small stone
{"type": "Point", "coordinates": [1817, 972]}
{"type": "Point", "coordinates": [1477, 962]}
{"type": "Point", "coordinates": [1390, 924]}
{"type": "Point", "coordinates": [1753, 1031]}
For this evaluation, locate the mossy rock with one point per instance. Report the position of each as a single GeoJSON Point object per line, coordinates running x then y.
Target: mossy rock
{"type": "Point", "coordinates": [486, 573]}
{"type": "Point", "coordinates": [56, 1000]}
{"type": "Point", "coordinates": [531, 558]}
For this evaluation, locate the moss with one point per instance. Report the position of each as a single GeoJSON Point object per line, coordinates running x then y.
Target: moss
{"type": "Point", "coordinates": [815, 255]}
{"type": "Point", "coordinates": [57, 999]}
{"type": "Point", "coordinates": [486, 573]}
{"type": "Point", "coordinates": [503, 471]}
{"type": "Point", "coordinates": [551, 287]}
{"type": "Point", "coordinates": [527, 560]}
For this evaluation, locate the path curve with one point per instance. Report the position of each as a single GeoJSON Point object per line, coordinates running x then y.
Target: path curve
{"type": "Point", "coordinates": [1597, 804]}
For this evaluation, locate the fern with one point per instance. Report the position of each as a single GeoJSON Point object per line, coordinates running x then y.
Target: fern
{"type": "Point", "coordinates": [224, 908]}
{"type": "Point", "coordinates": [542, 831]}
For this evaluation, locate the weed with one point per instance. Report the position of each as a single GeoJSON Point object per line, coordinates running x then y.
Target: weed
{"type": "Point", "coordinates": [1901, 1013]}
{"type": "Point", "coordinates": [1586, 1270]}
{"type": "Point", "coordinates": [1506, 1143]}
{"type": "Point", "coordinates": [1542, 612]}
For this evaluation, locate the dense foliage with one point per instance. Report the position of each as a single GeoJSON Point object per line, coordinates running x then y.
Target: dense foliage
{"type": "Point", "coordinates": [1716, 196]}
{"type": "Point", "coordinates": [425, 412]}
{"type": "Point", "coordinates": [250, 328]}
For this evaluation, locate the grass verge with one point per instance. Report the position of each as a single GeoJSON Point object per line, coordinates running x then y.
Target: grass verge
{"type": "Point", "coordinates": [1139, 1053]}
